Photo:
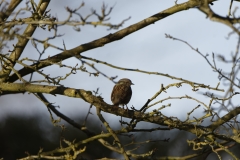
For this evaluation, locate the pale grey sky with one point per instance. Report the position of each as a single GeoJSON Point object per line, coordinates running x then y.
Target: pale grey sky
{"type": "Point", "coordinates": [147, 49]}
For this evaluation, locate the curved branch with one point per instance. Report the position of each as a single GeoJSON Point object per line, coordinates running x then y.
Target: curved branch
{"type": "Point", "coordinates": [154, 117]}
{"type": "Point", "coordinates": [22, 42]}
{"type": "Point", "coordinates": [106, 39]}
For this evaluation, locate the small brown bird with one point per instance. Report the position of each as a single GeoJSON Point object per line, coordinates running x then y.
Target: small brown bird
{"type": "Point", "coordinates": [122, 92]}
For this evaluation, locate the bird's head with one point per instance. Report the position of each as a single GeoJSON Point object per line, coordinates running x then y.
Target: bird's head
{"type": "Point", "coordinates": [125, 81]}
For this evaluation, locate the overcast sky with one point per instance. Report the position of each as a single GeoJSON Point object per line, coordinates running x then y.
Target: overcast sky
{"type": "Point", "coordinates": [147, 49]}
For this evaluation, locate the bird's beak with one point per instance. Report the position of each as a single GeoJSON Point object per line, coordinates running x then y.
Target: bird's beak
{"type": "Point", "coordinates": [132, 84]}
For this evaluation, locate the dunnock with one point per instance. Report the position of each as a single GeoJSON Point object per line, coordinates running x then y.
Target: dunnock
{"type": "Point", "coordinates": [122, 92]}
